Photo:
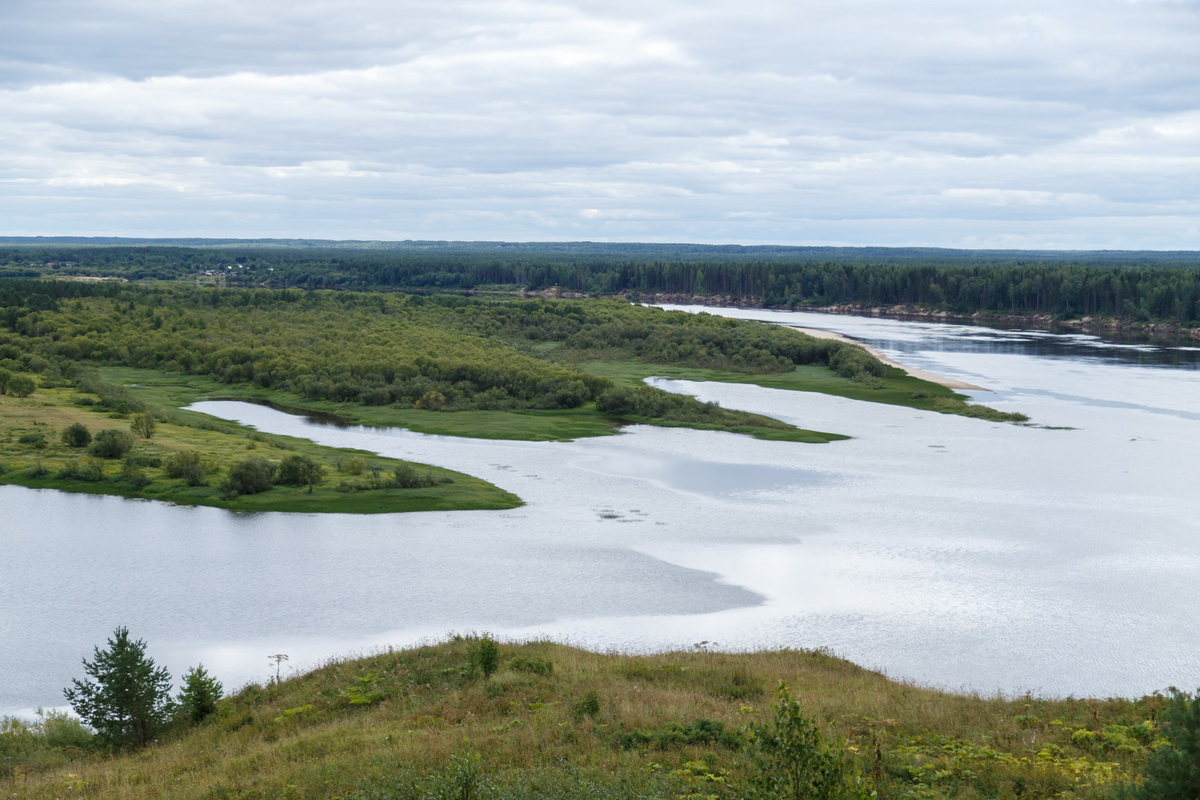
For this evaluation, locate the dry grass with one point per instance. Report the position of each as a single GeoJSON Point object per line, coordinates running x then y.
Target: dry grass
{"type": "Point", "coordinates": [303, 737]}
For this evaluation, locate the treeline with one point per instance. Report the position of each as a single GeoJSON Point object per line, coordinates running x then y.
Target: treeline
{"type": "Point", "coordinates": [441, 353]}
{"type": "Point", "coordinates": [1134, 286]}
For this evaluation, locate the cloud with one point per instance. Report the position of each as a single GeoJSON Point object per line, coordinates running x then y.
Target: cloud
{"type": "Point", "coordinates": [860, 122]}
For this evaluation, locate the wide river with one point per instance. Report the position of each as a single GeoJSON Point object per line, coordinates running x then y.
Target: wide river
{"type": "Point", "coordinates": [945, 551]}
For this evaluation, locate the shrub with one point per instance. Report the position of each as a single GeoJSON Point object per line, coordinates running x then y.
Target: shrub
{"type": "Point", "coordinates": [143, 425]}
{"type": "Point", "coordinates": [79, 469]}
{"type": "Point", "coordinates": [298, 470]}
{"type": "Point", "coordinates": [34, 440]}
{"type": "Point", "coordinates": [38, 470]}
{"type": "Point", "coordinates": [588, 705]}
{"type": "Point", "coordinates": [405, 477]}
{"type": "Point", "coordinates": [1173, 770]}
{"type": "Point", "coordinates": [111, 444]}
{"type": "Point", "coordinates": [21, 386]}
{"type": "Point", "coordinates": [76, 435]}
{"type": "Point", "coordinates": [793, 759]}
{"type": "Point", "coordinates": [186, 466]}
{"type": "Point", "coordinates": [533, 664]}
{"type": "Point", "coordinates": [487, 655]}
{"type": "Point", "coordinates": [132, 474]}
{"type": "Point", "coordinates": [249, 476]}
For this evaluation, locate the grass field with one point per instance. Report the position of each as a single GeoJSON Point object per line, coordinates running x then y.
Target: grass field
{"type": "Point", "coordinates": [176, 390]}
{"type": "Point", "coordinates": [32, 454]}
{"type": "Point", "coordinates": [894, 388]}
{"type": "Point", "coordinates": [557, 722]}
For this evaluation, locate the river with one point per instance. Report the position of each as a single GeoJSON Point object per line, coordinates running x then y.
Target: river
{"type": "Point", "coordinates": [1058, 559]}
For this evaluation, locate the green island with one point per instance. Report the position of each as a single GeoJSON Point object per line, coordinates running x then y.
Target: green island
{"type": "Point", "coordinates": [112, 358]}
{"type": "Point", "coordinates": [473, 718]}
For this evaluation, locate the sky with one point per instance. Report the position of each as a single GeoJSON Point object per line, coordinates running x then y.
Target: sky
{"type": "Point", "coordinates": [1058, 124]}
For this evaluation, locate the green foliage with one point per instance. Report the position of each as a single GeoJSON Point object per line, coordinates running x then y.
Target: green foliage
{"type": "Point", "coordinates": [127, 700]}
{"type": "Point", "coordinates": [249, 476]}
{"type": "Point", "coordinates": [198, 698]}
{"type": "Point", "coordinates": [36, 440]}
{"type": "Point", "coordinates": [300, 470]}
{"type": "Point", "coordinates": [51, 739]}
{"type": "Point", "coordinates": [674, 735]}
{"type": "Point", "coordinates": [487, 655]}
{"type": "Point", "coordinates": [76, 435]}
{"type": "Point", "coordinates": [21, 386]}
{"type": "Point", "coordinates": [793, 758]}
{"type": "Point", "coordinates": [134, 475]}
{"type": "Point", "coordinates": [185, 465]}
{"type": "Point", "coordinates": [588, 705]}
{"type": "Point", "coordinates": [83, 469]}
{"type": "Point", "coordinates": [364, 691]}
{"type": "Point", "coordinates": [532, 665]}
{"type": "Point", "coordinates": [111, 444]}
{"type": "Point", "coordinates": [143, 425]}
{"type": "Point", "coordinates": [1173, 770]}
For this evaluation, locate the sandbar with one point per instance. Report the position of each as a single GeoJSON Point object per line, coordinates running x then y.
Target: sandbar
{"type": "Point", "coordinates": [949, 383]}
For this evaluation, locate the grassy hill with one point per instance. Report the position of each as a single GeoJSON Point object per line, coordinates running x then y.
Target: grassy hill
{"type": "Point", "coordinates": [557, 722]}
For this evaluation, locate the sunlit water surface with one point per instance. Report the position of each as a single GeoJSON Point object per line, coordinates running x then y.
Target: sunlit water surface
{"type": "Point", "coordinates": [951, 552]}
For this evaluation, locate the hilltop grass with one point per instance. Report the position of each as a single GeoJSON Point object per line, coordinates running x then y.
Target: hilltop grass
{"type": "Point", "coordinates": [557, 722]}
{"type": "Point", "coordinates": [894, 388]}
{"type": "Point", "coordinates": [40, 461]}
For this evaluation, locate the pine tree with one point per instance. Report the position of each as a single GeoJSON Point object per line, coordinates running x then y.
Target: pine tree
{"type": "Point", "coordinates": [199, 696]}
{"type": "Point", "coordinates": [128, 702]}
{"type": "Point", "coordinates": [1173, 770]}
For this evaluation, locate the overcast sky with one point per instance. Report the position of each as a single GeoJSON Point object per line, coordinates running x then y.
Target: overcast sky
{"type": "Point", "coordinates": [1056, 124]}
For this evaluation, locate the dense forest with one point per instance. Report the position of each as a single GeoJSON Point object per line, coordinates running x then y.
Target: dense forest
{"type": "Point", "coordinates": [439, 353]}
{"type": "Point", "coordinates": [1135, 286]}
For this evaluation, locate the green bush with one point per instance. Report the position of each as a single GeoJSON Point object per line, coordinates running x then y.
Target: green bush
{"type": "Point", "coordinates": [487, 655]}
{"type": "Point", "coordinates": [111, 444]}
{"type": "Point", "coordinates": [83, 469]}
{"type": "Point", "coordinates": [186, 466]}
{"type": "Point", "coordinates": [249, 476]}
{"type": "Point", "coordinates": [298, 470]}
{"type": "Point", "coordinates": [35, 440]}
{"type": "Point", "coordinates": [1173, 770]}
{"type": "Point", "coordinates": [76, 435]}
{"type": "Point", "coordinates": [532, 664]}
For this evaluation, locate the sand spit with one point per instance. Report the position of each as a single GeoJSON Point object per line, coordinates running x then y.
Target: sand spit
{"type": "Point", "coordinates": [949, 383]}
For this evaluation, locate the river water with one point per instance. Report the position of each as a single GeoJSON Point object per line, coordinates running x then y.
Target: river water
{"type": "Point", "coordinates": [968, 555]}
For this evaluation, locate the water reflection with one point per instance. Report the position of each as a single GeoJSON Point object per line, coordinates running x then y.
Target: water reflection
{"type": "Point", "coordinates": [901, 337]}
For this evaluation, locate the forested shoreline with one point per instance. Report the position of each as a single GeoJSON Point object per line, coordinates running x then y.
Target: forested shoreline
{"type": "Point", "coordinates": [1140, 287]}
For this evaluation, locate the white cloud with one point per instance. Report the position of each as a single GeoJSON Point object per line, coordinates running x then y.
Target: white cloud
{"type": "Point", "coordinates": [860, 122]}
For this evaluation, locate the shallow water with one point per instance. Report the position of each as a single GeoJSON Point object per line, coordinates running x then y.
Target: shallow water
{"type": "Point", "coordinates": [951, 552]}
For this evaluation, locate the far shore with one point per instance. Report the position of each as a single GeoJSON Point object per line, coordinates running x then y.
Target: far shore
{"type": "Point", "coordinates": [949, 383]}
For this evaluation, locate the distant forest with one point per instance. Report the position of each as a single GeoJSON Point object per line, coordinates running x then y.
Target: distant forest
{"type": "Point", "coordinates": [1140, 286]}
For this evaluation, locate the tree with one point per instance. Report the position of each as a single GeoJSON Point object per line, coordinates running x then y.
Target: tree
{"type": "Point", "coordinates": [488, 655]}
{"type": "Point", "coordinates": [128, 701]}
{"type": "Point", "coordinates": [21, 386]}
{"type": "Point", "coordinates": [111, 444]}
{"type": "Point", "coordinates": [794, 762]}
{"type": "Point", "coordinates": [76, 435]}
{"type": "Point", "coordinates": [143, 425]}
{"type": "Point", "coordinates": [249, 476]}
{"type": "Point", "coordinates": [298, 470]}
{"type": "Point", "coordinates": [199, 695]}
{"type": "Point", "coordinates": [1173, 770]}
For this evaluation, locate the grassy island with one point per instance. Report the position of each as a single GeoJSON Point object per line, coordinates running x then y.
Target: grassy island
{"type": "Point", "coordinates": [540, 721]}
{"type": "Point", "coordinates": [101, 354]}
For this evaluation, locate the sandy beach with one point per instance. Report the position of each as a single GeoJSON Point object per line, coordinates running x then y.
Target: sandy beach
{"type": "Point", "coordinates": [949, 383]}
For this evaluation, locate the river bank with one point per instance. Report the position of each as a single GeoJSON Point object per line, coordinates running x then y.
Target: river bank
{"type": "Point", "coordinates": [1163, 332]}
